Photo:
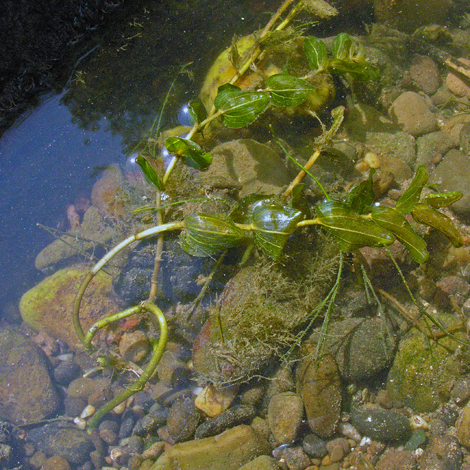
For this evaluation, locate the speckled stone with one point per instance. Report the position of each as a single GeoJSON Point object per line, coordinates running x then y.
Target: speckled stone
{"type": "Point", "coordinates": [285, 415]}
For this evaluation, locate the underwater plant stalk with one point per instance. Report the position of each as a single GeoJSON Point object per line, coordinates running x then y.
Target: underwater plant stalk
{"type": "Point", "coordinates": [158, 349]}
{"type": "Point", "coordinates": [98, 266]}
{"type": "Point", "coordinates": [158, 250]}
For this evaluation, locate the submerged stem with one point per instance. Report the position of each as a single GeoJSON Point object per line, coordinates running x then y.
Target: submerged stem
{"type": "Point", "coordinates": [158, 349]}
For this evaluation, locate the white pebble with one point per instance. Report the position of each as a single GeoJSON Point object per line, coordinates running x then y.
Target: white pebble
{"type": "Point", "coordinates": [88, 411]}
{"type": "Point", "coordinates": [80, 423]}
{"type": "Point", "coordinates": [418, 422]}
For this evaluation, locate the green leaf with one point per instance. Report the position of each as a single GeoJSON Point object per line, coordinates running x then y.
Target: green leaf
{"type": "Point", "coordinates": [343, 47]}
{"type": "Point", "coordinates": [438, 200]}
{"type": "Point", "coordinates": [426, 215]}
{"type": "Point", "coordinates": [272, 224]}
{"type": "Point", "coordinates": [149, 172]}
{"type": "Point", "coordinates": [197, 111]}
{"type": "Point", "coordinates": [286, 90]}
{"type": "Point", "coordinates": [392, 220]}
{"type": "Point", "coordinates": [411, 196]}
{"type": "Point", "coordinates": [315, 51]}
{"type": "Point", "coordinates": [190, 152]}
{"type": "Point", "coordinates": [244, 109]}
{"type": "Point", "coordinates": [242, 213]}
{"type": "Point", "coordinates": [224, 93]}
{"type": "Point", "coordinates": [350, 229]}
{"type": "Point", "coordinates": [361, 197]}
{"type": "Point", "coordinates": [359, 68]}
{"type": "Point", "coordinates": [208, 234]}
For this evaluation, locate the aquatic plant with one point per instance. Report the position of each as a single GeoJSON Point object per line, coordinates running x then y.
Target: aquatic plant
{"type": "Point", "coordinates": [267, 222]}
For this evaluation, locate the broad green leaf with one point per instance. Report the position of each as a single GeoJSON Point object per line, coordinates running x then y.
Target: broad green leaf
{"type": "Point", "coordinates": [411, 196]}
{"type": "Point", "coordinates": [438, 200]}
{"type": "Point", "coordinates": [426, 215]}
{"type": "Point", "coordinates": [392, 220]}
{"type": "Point", "coordinates": [361, 197]}
{"type": "Point", "coordinates": [315, 51]}
{"type": "Point", "coordinates": [286, 90]}
{"type": "Point", "coordinates": [273, 223]}
{"type": "Point", "coordinates": [240, 108]}
{"type": "Point", "coordinates": [350, 229]}
{"type": "Point", "coordinates": [224, 93]}
{"type": "Point", "coordinates": [197, 111]}
{"type": "Point", "coordinates": [149, 172]}
{"type": "Point", "coordinates": [242, 213]}
{"type": "Point", "coordinates": [358, 68]}
{"type": "Point", "coordinates": [208, 234]}
{"type": "Point", "coordinates": [190, 152]}
{"type": "Point", "coordinates": [343, 47]}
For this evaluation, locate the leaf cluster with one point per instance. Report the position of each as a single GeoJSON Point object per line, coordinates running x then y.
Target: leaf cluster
{"type": "Point", "coordinates": [358, 221]}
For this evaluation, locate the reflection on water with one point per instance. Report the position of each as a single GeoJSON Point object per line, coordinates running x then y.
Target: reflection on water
{"type": "Point", "coordinates": [49, 158]}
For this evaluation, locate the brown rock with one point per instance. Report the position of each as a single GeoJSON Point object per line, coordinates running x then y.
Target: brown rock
{"type": "Point", "coordinates": [458, 84]}
{"type": "Point", "coordinates": [134, 346]}
{"type": "Point", "coordinates": [56, 462]}
{"type": "Point", "coordinates": [107, 194]}
{"type": "Point", "coordinates": [320, 388]}
{"type": "Point", "coordinates": [463, 427]}
{"type": "Point", "coordinates": [285, 413]}
{"type": "Point", "coordinates": [425, 74]}
{"type": "Point", "coordinates": [412, 113]}
{"type": "Point", "coordinates": [397, 460]}
{"type": "Point", "coordinates": [229, 451]}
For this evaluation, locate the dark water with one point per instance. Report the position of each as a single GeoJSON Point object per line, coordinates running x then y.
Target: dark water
{"type": "Point", "coordinates": [53, 154]}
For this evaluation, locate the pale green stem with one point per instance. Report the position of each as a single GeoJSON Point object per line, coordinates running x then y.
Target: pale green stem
{"type": "Point", "coordinates": [158, 349]}
{"type": "Point", "coordinates": [139, 236]}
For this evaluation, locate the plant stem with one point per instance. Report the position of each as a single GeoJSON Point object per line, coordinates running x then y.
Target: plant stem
{"type": "Point", "coordinates": [98, 266]}
{"type": "Point", "coordinates": [158, 349]}
{"type": "Point", "coordinates": [158, 251]}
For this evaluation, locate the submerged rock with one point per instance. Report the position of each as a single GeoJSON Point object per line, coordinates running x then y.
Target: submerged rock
{"type": "Point", "coordinates": [423, 372]}
{"type": "Point", "coordinates": [48, 305]}
{"type": "Point", "coordinates": [319, 386]}
{"type": "Point", "coordinates": [27, 393]}
{"type": "Point", "coordinates": [228, 451]}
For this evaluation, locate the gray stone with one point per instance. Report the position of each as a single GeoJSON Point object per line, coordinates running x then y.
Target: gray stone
{"type": "Point", "coordinates": [442, 453]}
{"type": "Point", "coordinates": [285, 413]}
{"type": "Point", "coordinates": [254, 166]}
{"type": "Point", "coordinates": [314, 446]}
{"type": "Point", "coordinates": [431, 147]}
{"type": "Point", "coordinates": [411, 112]}
{"type": "Point", "coordinates": [231, 417]}
{"type": "Point", "coordinates": [27, 393]}
{"type": "Point", "coordinates": [64, 440]}
{"type": "Point", "coordinates": [358, 359]}
{"type": "Point", "coordinates": [399, 145]}
{"type": "Point", "coordinates": [228, 451]}
{"type": "Point", "coordinates": [453, 174]}
{"type": "Point", "coordinates": [381, 425]}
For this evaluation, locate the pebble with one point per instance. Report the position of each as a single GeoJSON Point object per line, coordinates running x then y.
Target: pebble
{"type": "Point", "coordinates": [263, 462]}
{"type": "Point", "coordinates": [448, 175]}
{"type": "Point", "coordinates": [442, 453]}
{"type": "Point", "coordinates": [134, 346]}
{"type": "Point", "coordinates": [56, 462]}
{"type": "Point", "coordinates": [213, 401]}
{"type": "Point", "coordinates": [397, 460]}
{"type": "Point", "coordinates": [65, 372]}
{"type": "Point", "coordinates": [171, 371]}
{"type": "Point", "coordinates": [411, 111]}
{"type": "Point", "coordinates": [314, 446]}
{"type": "Point", "coordinates": [338, 449]}
{"type": "Point", "coordinates": [183, 418]}
{"type": "Point", "coordinates": [431, 146]}
{"type": "Point", "coordinates": [285, 413]}
{"type": "Point", "coordinates": [381, 425]}
{"type": "Point", "coordinates": [463, 427]}
{"type": "Point", "coordinates": [295, 458]}
{"type": "Point", "coordinates": [457, 84]}
{"type": "Point", "coordinates": [232, 417]}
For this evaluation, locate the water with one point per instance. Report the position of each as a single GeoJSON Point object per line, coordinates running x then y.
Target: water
{"type": "Point", "coordinates": [53, 154]}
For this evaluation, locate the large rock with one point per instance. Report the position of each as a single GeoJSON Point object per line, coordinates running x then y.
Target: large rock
{"type": "Point", "coordinates": [452, 174]}
{"type": "Point", "coordinates": [319, 385]}
{"type": "Point", "coordinates": [411, 111]}
{"type": "Point", "coordinates": [423, 372]}
{"type": "Point", "coordinates": [26, 390]}
{"type": "Point", "coordinates": [49, 305]}
{"type": "Point", "coordinates": [246, 163]}
{"type": "Point", "coordinates": [229, 451]}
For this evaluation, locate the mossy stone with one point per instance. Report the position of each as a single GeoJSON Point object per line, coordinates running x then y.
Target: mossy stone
{"type": "Point", "coordinates": [423, 371]}
{"type": "Point", "coordinates": [49, 304]}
